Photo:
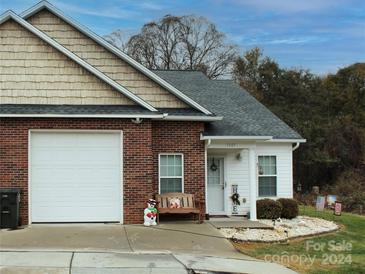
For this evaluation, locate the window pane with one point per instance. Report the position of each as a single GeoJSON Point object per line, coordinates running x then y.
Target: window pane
{"type": "Point", "coordinates": [171, 171]}
{"type": "Point", "coordinates": [178, 160]}
{"type": "Point", "coordinates": [163, 160]}
{"type": "Point", "coordinates": [273, 160]}
{"type": "Point", "coordinates": [171, 185]}
{"type": "Point", "coordinates": [267, 165]}
{"type": "Point", "coordinates": [271, 170]}
{"type": "Point", "coordinates": [170, 160]}
{"type": "Point", "coordinates": [178, 171]}
{"type": "Point", "coordinates": [261, 160]}
{"type": "Point", "coordinates": [267, 186]}
{"type": "Point", "coordinates": [163, 170]}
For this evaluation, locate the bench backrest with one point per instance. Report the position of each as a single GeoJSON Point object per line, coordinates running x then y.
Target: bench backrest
{"type": "Point", "coordinates": [186, 200]}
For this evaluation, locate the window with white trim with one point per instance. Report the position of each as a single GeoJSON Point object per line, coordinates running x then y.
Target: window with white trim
{"type": "Point", "coordinates": [171, 173]}
{"type": "Point", "coordinates": [267, 176]}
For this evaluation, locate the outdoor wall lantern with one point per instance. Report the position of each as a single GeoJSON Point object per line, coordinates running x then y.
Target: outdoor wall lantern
{"type": "Point", "coordinates": [261, 170]}
{"type": "Point", "coordinates": [239, 156]}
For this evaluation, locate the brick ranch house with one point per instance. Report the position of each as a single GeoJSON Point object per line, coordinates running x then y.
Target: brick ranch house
{"type": "Point", "coordinates": [88, 134]}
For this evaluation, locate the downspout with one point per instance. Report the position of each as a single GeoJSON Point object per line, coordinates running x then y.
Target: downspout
{"type": "Point", "coordinates": [296, 146]}
{"type": "Point", "coordinates": [209, 141]}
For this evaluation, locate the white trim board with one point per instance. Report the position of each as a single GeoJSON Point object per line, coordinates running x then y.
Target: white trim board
{"type": "Point", "coordinates": [253, 138]}
{"type": "Point", "coordinates": [192, 118]}
{"type": "Point", "coordinates": [11, 15]}
{"type": "Point", "coordinates": [156, 116]}
{"type": "Point", "coordinates": [44, 4]}
{"type": "Point", "coordinates": [202, 137]}
{"type": "Point", "coordinates": [163, 116]}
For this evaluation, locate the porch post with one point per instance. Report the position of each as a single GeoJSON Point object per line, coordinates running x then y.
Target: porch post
{"type": "Point", "coordinates": [253, 179]}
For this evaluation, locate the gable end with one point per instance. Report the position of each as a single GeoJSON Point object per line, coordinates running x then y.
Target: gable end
{"type": "Point", "coordinates": [128, 72]}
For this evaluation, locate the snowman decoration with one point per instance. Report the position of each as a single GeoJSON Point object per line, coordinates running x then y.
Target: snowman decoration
{"type": "Point", "coordinates": [150, 213]}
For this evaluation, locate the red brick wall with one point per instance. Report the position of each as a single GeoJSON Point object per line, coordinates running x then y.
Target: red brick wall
{"type": "Point", "coordinates": [182, 137]}
{"type": "Point", "coordinates": [141, 144]}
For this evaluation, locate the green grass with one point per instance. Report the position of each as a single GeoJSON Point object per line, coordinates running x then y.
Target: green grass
{"type": "Point", "coordinates": [352, 232]}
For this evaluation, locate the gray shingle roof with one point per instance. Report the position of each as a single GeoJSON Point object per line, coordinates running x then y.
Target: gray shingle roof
{"type": "Point", "coordinates": [243, 114]}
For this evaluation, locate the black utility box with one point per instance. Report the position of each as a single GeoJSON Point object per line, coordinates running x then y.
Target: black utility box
{"type": "Point", "coordinates": [9, 207]}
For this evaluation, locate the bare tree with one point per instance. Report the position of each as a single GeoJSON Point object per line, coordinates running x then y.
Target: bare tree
{"type": "Point", "coordinates": [182, 42]}
{"type": "Point", "coordinates": [118, 38]}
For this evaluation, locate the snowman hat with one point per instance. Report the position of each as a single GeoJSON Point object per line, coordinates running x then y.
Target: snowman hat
{"type": "Point", "coordinates": [152, 202]}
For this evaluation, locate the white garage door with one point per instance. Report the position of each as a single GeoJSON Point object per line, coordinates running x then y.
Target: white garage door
{"type": "Point", "coordinates": [75, 177]}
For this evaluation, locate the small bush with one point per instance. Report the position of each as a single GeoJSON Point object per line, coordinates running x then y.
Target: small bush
{"type": "Point", "coordinates": [290, 208]}
{"type": "Point", "coordinates": [268, 209]}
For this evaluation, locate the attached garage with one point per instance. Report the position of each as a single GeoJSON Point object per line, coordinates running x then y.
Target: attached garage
{"type": "Point", "coordinates": [75, 176]}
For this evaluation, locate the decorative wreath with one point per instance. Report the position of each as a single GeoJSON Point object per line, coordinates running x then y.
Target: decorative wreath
{"type": "Point", "coordinates": [236, 199]}
{"type": "Point", "coordinates": [213, 166]}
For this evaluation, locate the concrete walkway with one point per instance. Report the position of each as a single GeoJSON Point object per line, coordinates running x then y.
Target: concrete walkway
{"type": "Point", "coordinates": [37, 262]}
{"type": "Point", "coordinates": [237, 222]}
{"type": "Point", "coordinates": [111, 248]}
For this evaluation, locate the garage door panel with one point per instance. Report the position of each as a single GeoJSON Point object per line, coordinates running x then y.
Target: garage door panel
{"type": "Point", "coordinates": [67, 156]}
{"type": "Point", "coordinates": [75, 177]}
{"type": "Point", "coordinates": [66, 214]}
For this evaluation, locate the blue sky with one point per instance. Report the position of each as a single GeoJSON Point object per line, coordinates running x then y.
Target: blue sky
{"type": "Point", "coordinates": [321, 35]}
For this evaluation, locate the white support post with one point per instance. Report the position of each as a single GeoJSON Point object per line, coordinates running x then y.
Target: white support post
{"type": "Point", "coordinates": [253, 180]}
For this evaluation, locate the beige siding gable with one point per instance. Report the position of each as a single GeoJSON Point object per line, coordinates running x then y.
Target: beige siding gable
{"type": "Point", "coordinates": [103, 60]}
{"type": "Point", "coordinates": [33, 72]}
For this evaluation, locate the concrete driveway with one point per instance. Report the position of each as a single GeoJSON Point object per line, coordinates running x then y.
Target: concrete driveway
{"type": "Point", "coordinates": [178, 237]}
{"type": "Point", "coordinates": [104, 248]}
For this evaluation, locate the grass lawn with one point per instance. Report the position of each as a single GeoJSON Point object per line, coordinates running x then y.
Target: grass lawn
{"type": "Point", "coordinates": [338, 252]}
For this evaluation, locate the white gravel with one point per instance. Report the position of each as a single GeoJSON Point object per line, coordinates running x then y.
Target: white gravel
{"type": "Point", "coordinates": [283, 230]}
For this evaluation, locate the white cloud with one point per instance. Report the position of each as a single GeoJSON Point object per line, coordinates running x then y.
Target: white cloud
{"type": "Point", "coordinates": [295, 40]}
{"type": "Point", "coordinates": [109, 12]}
{"type": "Point", "coordinates": [151, 6]}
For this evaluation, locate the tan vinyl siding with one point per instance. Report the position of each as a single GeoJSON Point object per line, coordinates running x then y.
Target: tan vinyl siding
{"type": "Point", "coordinates": [104, 60]}
{"type": "Point", "coordinates": [33, 72]}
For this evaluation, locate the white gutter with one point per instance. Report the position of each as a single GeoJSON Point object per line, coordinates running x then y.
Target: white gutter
{"type": "Point", "coordinates": [193, 118]}
{"type": "Point", "coordinates": [287, 140]}
{"type": "Point", "coordinates": [114, 50]}
{"type": "Point", "coordinates": [11, 15]}
{"type": "Point", "coordinates": [154, 116]}
{"type": "Point", "coordinates": [235, 137]}
{"type": "Point", "coordinates": [296, 146]}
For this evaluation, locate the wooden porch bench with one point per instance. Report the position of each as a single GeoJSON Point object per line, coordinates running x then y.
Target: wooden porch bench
{"type": "Point", "coordinates": [188, 205]}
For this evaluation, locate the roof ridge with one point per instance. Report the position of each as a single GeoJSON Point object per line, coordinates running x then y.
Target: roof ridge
{"type": "Point", "coordinates": [92, 35]}
{"type": "Point", "coordinates": [11, 15]}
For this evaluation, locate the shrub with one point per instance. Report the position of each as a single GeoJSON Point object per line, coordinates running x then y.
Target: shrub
{"type": "Point", "coordinates": [268, 209]}
{"type": "Point", "coordinates": [290, 208]}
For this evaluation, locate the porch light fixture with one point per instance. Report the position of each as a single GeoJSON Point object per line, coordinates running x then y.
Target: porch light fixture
{"type": "Point", "coordinates": [261, 170]}
{"type": "Point", "coordinates": [213, 166]}
{"type": "Point", "coordinates": [239, 156]}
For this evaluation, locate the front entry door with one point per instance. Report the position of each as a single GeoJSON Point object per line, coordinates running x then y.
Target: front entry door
{"type": "Point", "coordinates": [216, 185]}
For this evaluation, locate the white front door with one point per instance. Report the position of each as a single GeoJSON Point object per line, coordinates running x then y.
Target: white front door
{"type": "Point", "coordinates": [75, 177]}
{"type": "Point", "coordinates": [216, 185]}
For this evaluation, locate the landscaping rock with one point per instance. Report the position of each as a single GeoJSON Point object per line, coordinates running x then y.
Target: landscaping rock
{"type": "Point", "coordinates": [282, 230]}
